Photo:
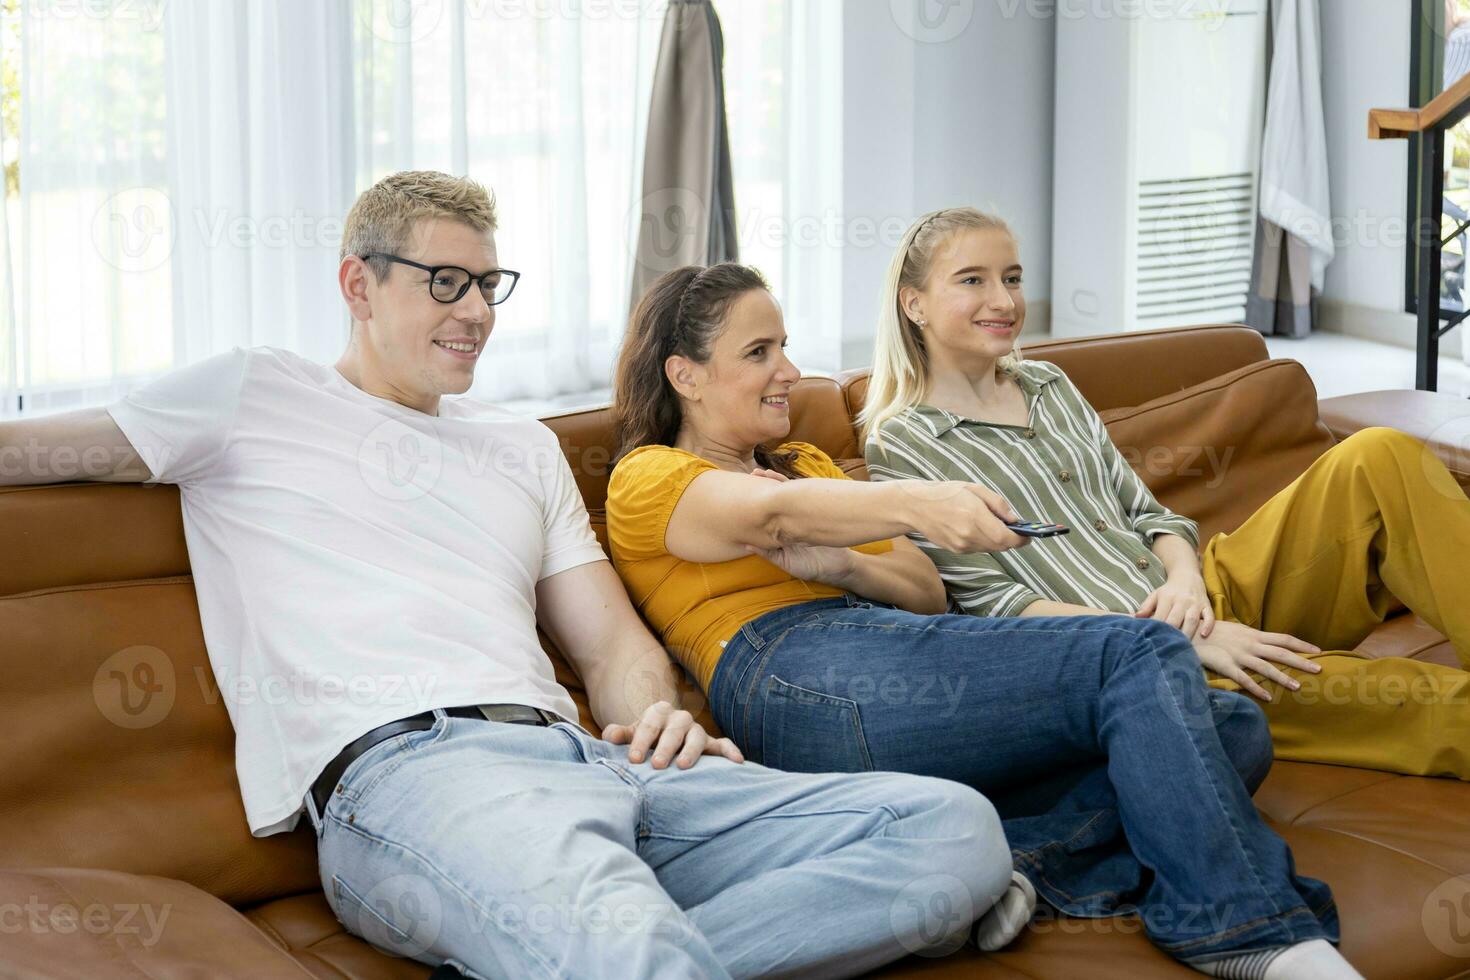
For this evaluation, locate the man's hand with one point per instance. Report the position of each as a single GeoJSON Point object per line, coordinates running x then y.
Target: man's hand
{"type": "Point", "coordinates": [669, 730]}
{"type": "Point", "coordinates": [1233, 649]}
{"type": "Point", "coordinates": [1183, 603]}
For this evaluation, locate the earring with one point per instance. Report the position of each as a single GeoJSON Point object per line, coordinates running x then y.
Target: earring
{"type": "Point", "coordinates": [923, 324]}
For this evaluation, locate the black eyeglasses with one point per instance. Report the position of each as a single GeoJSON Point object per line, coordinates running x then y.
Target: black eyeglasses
{"type": "Point", "coordinates": [447, 283]}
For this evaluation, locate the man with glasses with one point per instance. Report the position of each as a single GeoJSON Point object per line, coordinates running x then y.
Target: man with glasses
{"type": "Point", "coordinates": [372, 560]}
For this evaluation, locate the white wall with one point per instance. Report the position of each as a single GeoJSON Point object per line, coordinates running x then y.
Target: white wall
{"type": "Point", "coordinates": [958, 108]}
{"type": "Point", "coordinates": [878, 155]}
{"type": "Point", "coordinates": [984, 127]}
{"type": "Point", "coordinates": [1365, 53]}
{"type": "Point", "coordinates": [945, 103]}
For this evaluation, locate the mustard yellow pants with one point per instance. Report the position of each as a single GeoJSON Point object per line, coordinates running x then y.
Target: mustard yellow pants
{"type": "Point", "coordinates": [1375, 524]}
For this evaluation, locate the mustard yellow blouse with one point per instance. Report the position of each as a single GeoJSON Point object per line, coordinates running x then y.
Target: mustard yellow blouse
{"type": "Point", "coordinates": [695, 607]}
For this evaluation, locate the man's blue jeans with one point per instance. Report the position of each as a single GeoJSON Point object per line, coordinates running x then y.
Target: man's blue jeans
{"type": "Point", "coordinates": [522, 851]}
{"type": "Point", "coordinates": [1097, 739]}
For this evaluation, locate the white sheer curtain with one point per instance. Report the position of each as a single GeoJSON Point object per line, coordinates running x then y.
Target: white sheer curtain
{"type": "Point", "coordinates": [549, 112]}
{"type": "Point", "coordinates": [92, 231]}
{"type": "Point", "coordinates": [260, 153]}
{"type": "Point", "coordinates": [185, 169]}
{"type": "Point", "coordinates": [783, 90]}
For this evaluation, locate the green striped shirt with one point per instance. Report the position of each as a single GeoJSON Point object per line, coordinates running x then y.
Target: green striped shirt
{"type": "Point", "coordinates": [1063, 468]}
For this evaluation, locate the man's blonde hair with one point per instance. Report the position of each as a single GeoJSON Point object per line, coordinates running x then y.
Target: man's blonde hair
{"type": "Point", "coordinates": [383, 216]}
{"type": "Point", "coordinates": [900, 377]}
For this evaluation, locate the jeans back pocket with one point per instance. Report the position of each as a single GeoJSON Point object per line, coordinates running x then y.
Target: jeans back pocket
{"type": "Point", "coordinates": [808, 731]}
{"type": "Point", "coordinates": [401, 915]}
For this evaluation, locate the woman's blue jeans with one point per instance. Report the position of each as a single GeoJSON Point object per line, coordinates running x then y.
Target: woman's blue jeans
{"type": "Point", "coordinates": [1124, 780]}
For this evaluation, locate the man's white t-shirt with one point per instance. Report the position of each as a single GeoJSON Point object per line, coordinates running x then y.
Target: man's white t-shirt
{"type": "Point", "coordinates": [356, 561]}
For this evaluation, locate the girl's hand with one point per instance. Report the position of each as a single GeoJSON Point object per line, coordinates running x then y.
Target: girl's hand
{"type": "Point", "coordinates": [1232, 649]}
{"type": "Point", "coordinates": [807, 562]}
{"type": "Point", "coordinates": [810, 563]}
{"type": "Point", "coordinates": [1183, 603]}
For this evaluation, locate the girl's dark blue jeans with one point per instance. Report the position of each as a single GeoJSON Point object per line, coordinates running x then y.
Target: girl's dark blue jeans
{"type": "Point", "coordinates": [1125, 781]}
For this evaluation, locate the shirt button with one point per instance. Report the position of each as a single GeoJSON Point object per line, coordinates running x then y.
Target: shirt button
{"type": "Point", "coordinates": [1065, 476]}
{"type": "Point", "coordinates": [1143, 563]}
{"type": "Point", "coordinates": [1100, 524]}
{"type": "Point", "coordinates": [1029, 433]}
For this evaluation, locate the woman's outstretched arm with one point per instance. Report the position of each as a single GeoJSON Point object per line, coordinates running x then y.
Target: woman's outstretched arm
{"type": "Point", "coordinates": [901, 575]}
{"type": "Point", "coordinates": [721, 516]}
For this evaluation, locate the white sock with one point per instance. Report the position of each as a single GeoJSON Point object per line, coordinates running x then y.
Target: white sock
{"type": "Point", "coordinates": [1312, 960]}
{"type": "Point", "coordinates": [1008, 916]}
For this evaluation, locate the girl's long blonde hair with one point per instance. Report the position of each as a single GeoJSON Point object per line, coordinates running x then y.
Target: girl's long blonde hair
{"type": "Point", "coordinates": [900, 376]}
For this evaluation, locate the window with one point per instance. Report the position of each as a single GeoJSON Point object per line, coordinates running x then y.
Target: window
{"type": "Point", "coordinates": [1440, 56]}
{"type": "Point", "coordinates": [176, 174]}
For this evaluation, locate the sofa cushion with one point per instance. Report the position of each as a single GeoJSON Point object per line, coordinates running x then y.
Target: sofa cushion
{"type": "Point", "coordinates": [75, 922]}
{"type": "Point", "coordinates": [75, 534]}
{"type": "Point", "coordinates": [819, 416]}
{"type": "Point", "coordinates": [304, 926]}
{"type": "Point", "coordinates": [1407, 635]}
{"type": "Point", "coordinates": [586, 439]}
{"type": "Point", "coordinates": [1441, 421]}
{"type": "Point", "coordinates": [1217, 451]}
{"type": "Point", "coordinates": [1126, 369]}
{"type": "Point", "coordinates": [121, 752]}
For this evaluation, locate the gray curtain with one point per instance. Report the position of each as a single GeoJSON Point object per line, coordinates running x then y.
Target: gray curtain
{"type": "Point", "coordinates": [1294, 229]}
{"type": "Point", "coordinates": [1281, 299]}
{"type": "Point", "coordinates": [687, 211]}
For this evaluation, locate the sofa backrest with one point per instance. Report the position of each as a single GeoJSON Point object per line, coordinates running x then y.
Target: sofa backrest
{"type": "Point", "coordinates": [119, 753]}
{"type": "Point", "coordinates": [1218, 450]}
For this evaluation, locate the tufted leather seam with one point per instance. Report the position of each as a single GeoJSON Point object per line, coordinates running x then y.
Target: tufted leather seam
{"type": "Point", "coordinates": [113, 951]}
{"type": "Point", "coordinates": [1387, 847]}
{"type": "Point", "coordinates": [336, 938]}
{"type": "Point", "coordinates": [1388, 777]}
{"type": "Point", "coordinates": [991, 959]}
{"type": "Point", "coordinates": [89, 485]}
{"type": "Point", "coordinates": [264, 925]}
{"type": "Point", "coordinates": [1001, 959]}
{"type": "Point", "coordinates": [257, 916]}
{"type": "Point", "coordinates": [1072, 342]}
{"type": "Point", "coordinates": [100, 586]}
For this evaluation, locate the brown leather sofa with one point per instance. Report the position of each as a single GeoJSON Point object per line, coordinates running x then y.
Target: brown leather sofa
{"type": "Point", "coordinates": [122, 829]}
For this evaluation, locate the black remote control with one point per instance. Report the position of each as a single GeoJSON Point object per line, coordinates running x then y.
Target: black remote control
{"type": "Point", "coordinates": [1038, 529]}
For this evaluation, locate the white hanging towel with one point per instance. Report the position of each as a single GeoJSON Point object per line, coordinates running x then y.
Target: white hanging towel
{"type": "Point", "coordinates": [1294, 192]}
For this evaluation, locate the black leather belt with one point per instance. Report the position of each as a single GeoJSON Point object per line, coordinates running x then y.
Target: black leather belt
{"type": "Point", "coordinates": [512, 714]}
